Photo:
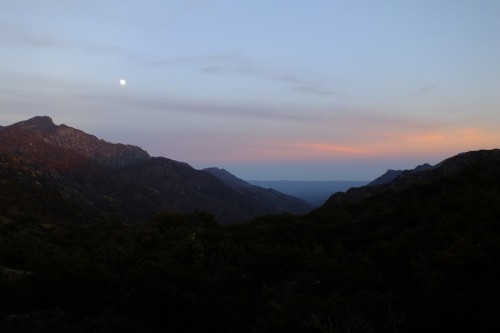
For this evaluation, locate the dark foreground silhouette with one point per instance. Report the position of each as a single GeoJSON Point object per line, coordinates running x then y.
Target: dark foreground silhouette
{"type": "Point", "coordinates": [421, 254]}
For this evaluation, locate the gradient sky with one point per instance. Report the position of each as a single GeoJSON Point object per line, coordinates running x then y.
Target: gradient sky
{"type": "Point", "coordinates": [280, 89]}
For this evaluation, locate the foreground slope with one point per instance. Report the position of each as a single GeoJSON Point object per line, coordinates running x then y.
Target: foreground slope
{"type": "Point", "coordinates": [58, 172]}
{"type": "Point", "coordinates": [421, 255]}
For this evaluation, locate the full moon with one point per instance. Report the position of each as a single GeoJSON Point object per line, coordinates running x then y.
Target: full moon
{"type": "Point", "coordinates": [123, 82]}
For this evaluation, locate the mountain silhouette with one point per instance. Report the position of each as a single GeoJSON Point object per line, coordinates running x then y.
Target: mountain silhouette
{"type": "Point", "coordinates": [419, 252]}
{"type": "Point", "coordinates": [59, 172]}
{"type": "Point", "coordinates": [396, 180]}
{"type": "Point", "coordinates": [392, 174]}
{"type": "Point", "coordinates": [270, 198]}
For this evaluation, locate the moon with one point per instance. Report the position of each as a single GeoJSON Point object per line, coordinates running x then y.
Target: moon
{"type": "Point", "coordinates": [123, 82]}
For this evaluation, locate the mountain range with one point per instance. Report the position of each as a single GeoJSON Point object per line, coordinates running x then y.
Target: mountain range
{"type": "Point", "coordinates": [396, 180]}
{"type": "Point", "coordinates": [58, 172]}
{"type": "Point", "coordinates": [414, 251]}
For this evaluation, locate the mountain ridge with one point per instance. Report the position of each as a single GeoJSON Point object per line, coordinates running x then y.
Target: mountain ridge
{"type": "Point", "coordinates": [274, 199]}
{"type": "Point", "coordinates": [391, 174]}
{"type": "Point", "coordinates": [116, 180]}
{"type": "Point", "coordinates": [422, 174]}
{"type": "Point", "coordinates": [228, 178]}
{"type": "Point", "coordinates": [419, 253]}
{"type": "Point", "coordinates": [77, 141]}
{"type": "Point", "coordinates": [420, 256]}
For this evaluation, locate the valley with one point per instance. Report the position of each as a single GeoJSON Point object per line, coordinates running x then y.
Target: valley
{"type": "Point", "coordinates": [313, 192]}
{"type": "Point", "coordinates": [102, 237]}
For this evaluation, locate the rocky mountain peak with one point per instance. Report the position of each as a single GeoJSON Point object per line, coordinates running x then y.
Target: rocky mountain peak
{"type": "Point", "coordinates": [75, 141]}
{"type": "Point", "coordinates": [37, 124]}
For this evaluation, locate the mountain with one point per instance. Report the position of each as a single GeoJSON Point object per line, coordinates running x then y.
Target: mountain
{"type": "Point", "coordinates": [387, 177]}
{"type": "Point", "coordinates": [38, 139]}
{"type": "Point", "coordinates": [56, 172]}
{"type": "Point", "coordinates": [313, 192]}
{"type": "Point", "coordinates": [392, 174]}
{"type": "Point", "coordinates": [228, 178]}
{"type": "Point", "coordinates": [420, 254]}
{"type": "Point", "coordinates": [274, 200]}
{"type": "Point", "coordinates": [396, 180]}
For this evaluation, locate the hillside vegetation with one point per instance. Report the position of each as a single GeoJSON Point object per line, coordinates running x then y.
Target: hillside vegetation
{"type": "Point", "coordinates": [421, 256]}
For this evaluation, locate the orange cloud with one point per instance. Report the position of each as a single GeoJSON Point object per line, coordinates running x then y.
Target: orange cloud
{"type": "Point", "coordinates": [445, 140]}
{"type": "Point", "coordinates": [363, 146]}
{"type": "Point", "coordinates": [283, 151]}
{"type": "Point", "coordinates": [273, 150]}
{"type": "Point", "coordinates": [321, 148]}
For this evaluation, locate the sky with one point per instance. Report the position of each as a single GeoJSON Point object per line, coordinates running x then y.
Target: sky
{"type": "Point", "coordinates": [268, 90]}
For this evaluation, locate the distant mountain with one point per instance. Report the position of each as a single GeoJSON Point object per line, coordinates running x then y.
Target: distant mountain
{"type": "Point", "coordinates": [228, 178]}
{"type": "Point", "coordinates": [270, 198]}
{"type": "Point", "coordinates": [387, 177]}
{"type": "Point", "coordinates": [392, 174]}
{"type": "Point", "coordinates": [313, 192]}
{"type": "Point", "coordinates": [395, 180]}
{"type": "Point", "coordinates": [60, 173]}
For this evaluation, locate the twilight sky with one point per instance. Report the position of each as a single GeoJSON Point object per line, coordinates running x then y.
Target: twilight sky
{"type": "Point", "coordinates": [275, 89]}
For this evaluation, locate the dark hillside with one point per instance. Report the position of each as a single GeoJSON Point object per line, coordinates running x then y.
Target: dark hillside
{"type": "Point", "coordinates": [421, 175]}
{"type": "Point", "coordinates": [274, 200]}
{"type": "Point", "coordinates": [45, 167]}
{"type": "Point", "coordinates": [423, 256]}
